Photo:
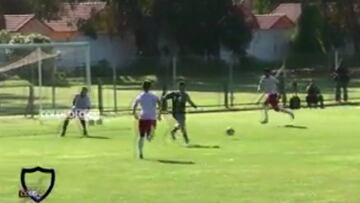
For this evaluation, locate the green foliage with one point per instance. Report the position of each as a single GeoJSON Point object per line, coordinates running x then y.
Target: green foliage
{"type": "Point", "coordinates": [263, 6]}
{"type": "Point", "coordinates": [200, 26]}
{"type": "Point", "coordinates": [5, 37]}
{"type": "Point", "coordinates": [88, 27]}
{"type": "Point", "coordinates": [308, 37]}
{"type": "Point", "coordinates": [235, 34]}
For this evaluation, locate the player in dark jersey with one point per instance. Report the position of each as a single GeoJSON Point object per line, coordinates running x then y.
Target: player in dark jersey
{"type": "Point", "coordinates": [179, 99]}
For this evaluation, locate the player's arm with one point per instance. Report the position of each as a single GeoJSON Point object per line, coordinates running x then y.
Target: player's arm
{"type": "Point", "coordinates": [168, 96]}
{"type": "Point", "coordinates": [134, 107]}
{"type": "Point", "coordinates": [190, 101]}
{"type": "Point", "coordinates": [74, 100]}
{"type": "Point", "coordinates": [280, 70]}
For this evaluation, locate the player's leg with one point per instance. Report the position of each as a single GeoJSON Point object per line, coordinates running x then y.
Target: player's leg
{"type": "Point", "coordinates": [140, 143]}
{"type": "Point", "coordinates": [345, 92]}
{"type": "Point", "coordinates": [141, 138]}
{"type": "Point", "coordinates": [70, 115]}
{"type": "Point", "coordinates": [274, 102]}
{"type": "Point", "coordinates": [266, 110]}
{"type": "Point", "coordinates": [65, 125]}
{"type": "Point", "coordinates": [290, 113]}
{"type": "Point", "coordinates": [176, 127]}
{"type": "Point", "coordinates": [338, 92]}
{"type": "Point", "coordinates": [83, 125]}
{"type": "Point", "coordinates": [265, 114]}
{"type": "Point", "coordinates": [182, 125]}
{"type": "Point", "coordinates": [150, 130]}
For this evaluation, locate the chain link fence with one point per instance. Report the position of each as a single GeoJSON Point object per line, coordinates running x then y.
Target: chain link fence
{"type": "Point", "coordinates": [212, 83]}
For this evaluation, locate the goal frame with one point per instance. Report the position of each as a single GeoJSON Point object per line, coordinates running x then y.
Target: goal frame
{"type": "Point", "coordinates": [39, 46]}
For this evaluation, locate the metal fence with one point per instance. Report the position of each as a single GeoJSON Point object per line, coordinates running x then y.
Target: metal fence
{"type": "Point", "coordinates": [212, 83]}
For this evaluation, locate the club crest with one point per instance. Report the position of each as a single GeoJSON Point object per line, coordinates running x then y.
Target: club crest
{"type": "Point", "coordinates": [33, 194]}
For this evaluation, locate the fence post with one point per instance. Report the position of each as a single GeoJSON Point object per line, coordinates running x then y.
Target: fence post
{"type": "Point", "coordinates": [115, 88]}
{"type": "Point", "coordinates": [100, 97]}
{"type": "Point", "coordinates": [226, 95]}
{"type": "Point", "coordinates": [30, 105]}
{"type": "Point", "coordinates": [231, 85]}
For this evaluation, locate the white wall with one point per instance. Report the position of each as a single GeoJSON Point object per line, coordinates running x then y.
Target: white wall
{"type": "Point", "coordinates": [118, 51]}
{"type": "Point", "coordinates": [269, 45]}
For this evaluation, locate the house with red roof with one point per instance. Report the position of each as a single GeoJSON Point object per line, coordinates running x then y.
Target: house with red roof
{"type": "Point", "coordinates": [65, 28]}
{"type": "Point", "coordinates": [26, 23]}
{"type": "Point", "coordinates": [272, 32]}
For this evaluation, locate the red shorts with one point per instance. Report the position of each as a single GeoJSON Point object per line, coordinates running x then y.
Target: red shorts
{"type": "Point", "coordinates": [145, 126]}
{"type": "Point", "coordinates": [273, 100]}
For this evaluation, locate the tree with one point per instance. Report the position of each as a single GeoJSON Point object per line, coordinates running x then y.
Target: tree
{"type": "Point", "coordinates": [308, 37]}
{"type": "Point", "coordinates": [134, 16]}
{"type": "Point", "coordinates": [200, 26]}
{"type": "Point", "coordinates": [266, 6]}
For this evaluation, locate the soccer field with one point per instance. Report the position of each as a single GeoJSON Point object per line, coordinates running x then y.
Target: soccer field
{"type": "Point", "coordinates": [315, 158]}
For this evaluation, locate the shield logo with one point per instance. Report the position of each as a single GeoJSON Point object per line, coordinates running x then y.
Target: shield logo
{"type": "Point", "coordinates": [34, 194]}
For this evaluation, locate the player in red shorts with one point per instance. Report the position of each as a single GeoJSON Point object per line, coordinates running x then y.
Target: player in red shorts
{"type": "Point", "coordinates": [269, 84]}
{"type": "Point", "coordinates": [147, 117]}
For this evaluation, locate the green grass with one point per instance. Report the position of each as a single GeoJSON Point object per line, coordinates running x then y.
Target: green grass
{"type": "Point", "coordinates": [260, 164]}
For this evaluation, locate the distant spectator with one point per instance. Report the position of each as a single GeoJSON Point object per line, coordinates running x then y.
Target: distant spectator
{"type": "Point", "coordinates": [314, 97]}
{"type": "Point", "coordinates": [342, 79]}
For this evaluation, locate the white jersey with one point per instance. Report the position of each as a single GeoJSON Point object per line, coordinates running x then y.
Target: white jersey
{"type": "Point", "coordinates": [269, 84]}
{"type": "Point", "coordinates": [81, 102]}
{"type": "Point", "coordinates": [147, 101]}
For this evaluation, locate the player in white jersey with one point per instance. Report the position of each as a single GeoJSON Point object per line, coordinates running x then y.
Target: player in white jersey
{"type": "Point", "coordinates": [80, 108]}
{"type": "Point", "coordinates": [147, 116]}
{"type": "Point", "coordinates": [269, 84]}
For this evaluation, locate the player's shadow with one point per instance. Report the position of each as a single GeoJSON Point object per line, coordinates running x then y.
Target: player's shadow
{"type": "Point", "coordinates": [296, 127]}
{"type": "Point", "coordinates": [163, 161]}
{"type": "Point", "coordinates": [174, 162]}
{"type": "Point", "coordinates": [96, 137]}
{"type": "Point", "coordinates": [198, 146]}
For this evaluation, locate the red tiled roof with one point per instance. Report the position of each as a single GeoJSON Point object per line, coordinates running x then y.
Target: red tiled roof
{"type": "Point", "coordinates": [274, 21]}
{"type": "Point", "coordinates": [291, 10]}
{"type": "Point", "coordinates": [15, 22]}
{"type": "Point", "coordinates": [71, 13]}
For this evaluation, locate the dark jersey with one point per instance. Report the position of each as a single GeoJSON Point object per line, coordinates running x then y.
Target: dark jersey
{"type": "Point", "coordinates": [178, 101]}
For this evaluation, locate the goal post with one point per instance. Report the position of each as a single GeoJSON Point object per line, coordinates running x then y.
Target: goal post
{"type": "Point", "coordinates": [56, 71]}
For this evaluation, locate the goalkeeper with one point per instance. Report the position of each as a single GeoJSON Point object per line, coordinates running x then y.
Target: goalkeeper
{"type": "Point", "coordinates": [81, 106]}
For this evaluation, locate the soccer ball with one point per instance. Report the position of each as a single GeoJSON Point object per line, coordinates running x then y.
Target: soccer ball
{"type": "Point", "coordinates": [230, 131]}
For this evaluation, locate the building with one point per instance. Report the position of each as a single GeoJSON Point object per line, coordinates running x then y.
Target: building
{"type": "Point", "coordinates": [272, 32]}
{"type": "Point", "coordinates": [117, 50]}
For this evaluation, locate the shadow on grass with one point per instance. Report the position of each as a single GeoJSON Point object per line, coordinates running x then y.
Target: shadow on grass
{"type": "Point", "coordinates": [96, 137]}
{"type": "Point", "coordinates": [174, 162]}
{"type": "Point", "coordinates": [198, 146]}
{"type": "Point", "coordinates": [296, 127]}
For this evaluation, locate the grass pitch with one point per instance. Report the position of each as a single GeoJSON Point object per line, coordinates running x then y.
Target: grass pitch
{"type": "Point", "coordinates": [316, 158]}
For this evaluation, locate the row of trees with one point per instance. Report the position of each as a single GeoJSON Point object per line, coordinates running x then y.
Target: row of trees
{"type": "Point", "coordinates": [199, 27]}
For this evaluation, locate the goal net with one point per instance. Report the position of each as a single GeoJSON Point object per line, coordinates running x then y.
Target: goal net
{"type": "Point", "coordinates": [40, 78]}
